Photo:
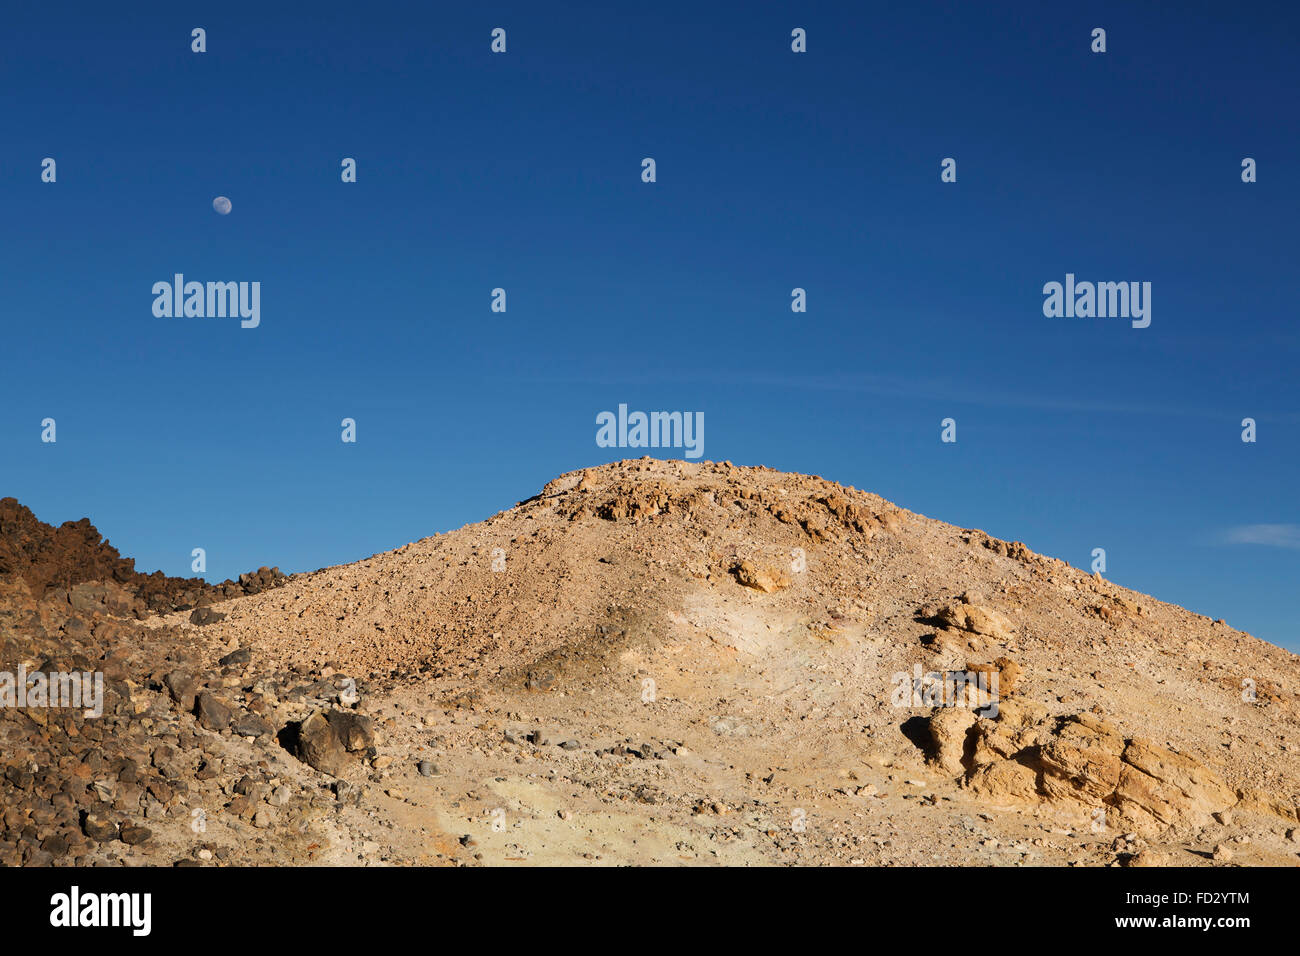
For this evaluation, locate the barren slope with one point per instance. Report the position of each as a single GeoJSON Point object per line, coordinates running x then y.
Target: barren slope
{"type": "Point", "coordinates": [741, 629]}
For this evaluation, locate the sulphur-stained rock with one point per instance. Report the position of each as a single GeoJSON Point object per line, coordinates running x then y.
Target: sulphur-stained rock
{"type": "Point", "coordinates": [1261, 801]}
{"type": "Point", "coordinates": [1152, 856]}
{"type": "Point", "coordinates": [1018, 732]}
{"type": "Point", "coordinates": [1079, 772]}
{"type": "Point", "coordinates": [1172, 788]}
{"type": "Point", "coordinates": [760, 579]}
{"type": "Point", "coordinates": [948, 641]}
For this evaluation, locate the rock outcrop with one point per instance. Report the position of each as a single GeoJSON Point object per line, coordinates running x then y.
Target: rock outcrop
{"type": "Point", "coordinates": [1025, 755]}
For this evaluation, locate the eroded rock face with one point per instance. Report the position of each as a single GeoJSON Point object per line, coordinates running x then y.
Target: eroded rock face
{"type": "Point", "coordinates": [1024, 755]}
{"type": "Point", "coordinates": [1174, 789]}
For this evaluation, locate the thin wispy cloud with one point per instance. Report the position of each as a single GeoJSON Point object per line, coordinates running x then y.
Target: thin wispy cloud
{"type": "Point", "coordinates": [910, 387]}
{"type": "Point", "coordinates": [1273, 535]}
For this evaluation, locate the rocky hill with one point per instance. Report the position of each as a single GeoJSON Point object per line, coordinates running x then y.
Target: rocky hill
{"type": "Point", "coordinates": [677, 663]}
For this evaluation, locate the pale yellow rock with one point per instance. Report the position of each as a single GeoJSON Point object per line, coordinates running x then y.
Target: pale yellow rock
{"type": "Point", "coordinates": [759, 578]}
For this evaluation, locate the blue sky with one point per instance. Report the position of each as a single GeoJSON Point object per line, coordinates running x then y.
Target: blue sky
{"type": "Point", "coordinates": [775, 170]}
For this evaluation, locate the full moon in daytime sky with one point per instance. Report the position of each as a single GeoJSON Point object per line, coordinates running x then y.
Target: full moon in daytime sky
{"type": "Point", "coordinates": [222, 205]}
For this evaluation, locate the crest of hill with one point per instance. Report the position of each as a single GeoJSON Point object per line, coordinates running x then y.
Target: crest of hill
{"type": "Point", "coordinates": [624, 541]}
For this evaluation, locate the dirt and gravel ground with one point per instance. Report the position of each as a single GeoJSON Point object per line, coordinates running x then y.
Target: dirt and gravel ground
{"type": "Point", "coordinates": [656, 662]}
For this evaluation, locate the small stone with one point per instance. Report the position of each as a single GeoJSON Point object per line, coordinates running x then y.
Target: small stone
{"type": "Point", "coordinates": [99, 827]}
{"type": "Point", "coordinates": [251, 725]}
{"type": "Point", "coordinates": [203, 616]}
{"type": "Point", "coordinates": [241, 656]}
{"type": "Point", "coordinates": [181, 687]}
{"type": "Point", "coordinates": [212, 712]}
{"type": "Point", "coordinates": [106, 790]}
{"type": "Point", "coordinates": [426, 768]}
{"type": "Point", "coordinates": [134, 834]}
{"type": "Point", "coordinates": [346, 792]}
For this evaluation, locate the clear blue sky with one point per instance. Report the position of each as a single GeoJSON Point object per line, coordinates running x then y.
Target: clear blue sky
{"type": "Point", "coordinates": [775, 170]}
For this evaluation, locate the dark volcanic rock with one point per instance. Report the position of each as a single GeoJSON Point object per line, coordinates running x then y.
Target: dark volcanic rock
{"type": "Point", "coordinates": [205, 615]}
{"type": "Point", "coordinates": [241, 656]}
{"type": "Point", "coordinates": [99, 827]}
{"type": "Point", "coordinates": [134, 834]}
{"type": "Point", "coordinates": [251, 725]}
{"type": "Point", "coordinates": [325, 738]}
{"type": "Point", "coordinates": [212, 712]}
{"type": "Point", "coordinates": [355, 731]}
{"type": "Point", "coordinates": [74, 557]}
{"type": "Point", "coordinates": [182, 689]}
{"type": "Point", "coordinates": [71, 785]}
{"type": "Point", "coordinates": [318, 745]}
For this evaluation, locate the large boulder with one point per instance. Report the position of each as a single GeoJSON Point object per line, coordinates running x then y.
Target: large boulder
{"type": "Point", "coordinates": [975, 619]}
{"type": "Point", "coordinates": [327, 737]}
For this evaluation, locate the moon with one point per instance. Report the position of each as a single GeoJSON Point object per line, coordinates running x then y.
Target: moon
{"type": "Point", "coordinates": [222, 205]}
